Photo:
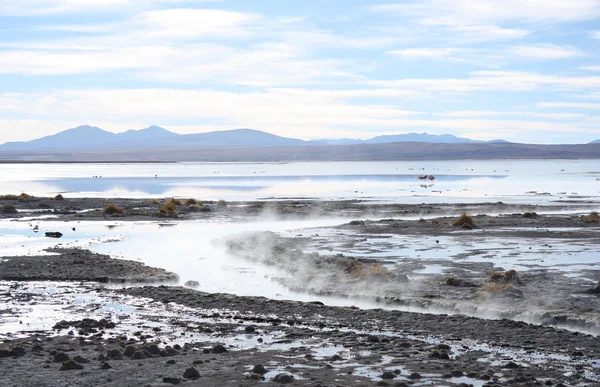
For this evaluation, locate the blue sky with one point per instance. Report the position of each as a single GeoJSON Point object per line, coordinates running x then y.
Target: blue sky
{"type": "Point", "coordinates": [521, 70]}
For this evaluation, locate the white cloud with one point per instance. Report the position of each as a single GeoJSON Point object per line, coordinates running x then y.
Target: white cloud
{"type": "Point", "coordinates": [589, 68]}
{"type": "Point", "coordinates": [426, 53]}
{"type": "Point", "coordinates": [544, 52]}
{"type": "Point", "coordinates": [569, 105]}
{"type": "Point", "coordinates": [483, 12]}
{"type": "Point", "coordinates": [595, 34]}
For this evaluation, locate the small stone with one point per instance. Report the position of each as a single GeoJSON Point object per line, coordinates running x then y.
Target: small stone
{"type": "Point", "coordinates": [259, 369]}
{"type": "Point", "coordinates": [129, 351]}
{"type": "Point", "coordinates": [198, 362]}
{"type": "Point", "coordinates": [511, 365]}
{"type": "Point", "coordinates": [191, 373]}
{"type": "Point", "coordinates": [457, 374]}
{"type": "Point", "coordinates": [388, 375]}
{"type": "Point", "coordinates": [71, 365]}
{"type": "Point", "coordinates": [114, 354]}
{"type": "Point", "coordinates": [250, 329]}
{"type": "Point", "coordinates": [171, 380]}
{"type": "Point", "coordinates": [283, 379]}
{"type": "Point", "coordinates": [105, 366]}
{"type": "Point", "coordinates": [60, 357]}
{"type": "Point", "coordinates": [415, 376]}
{"type": "Point", "coordinates": [81, 360]}
{"type": "Point", "coordinates": [171, 362]}
{"type": "Point", "coordinates": [218, 349]}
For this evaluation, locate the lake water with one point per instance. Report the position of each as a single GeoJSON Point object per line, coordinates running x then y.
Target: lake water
{"type": "Point", "coordinates": [523, 181]}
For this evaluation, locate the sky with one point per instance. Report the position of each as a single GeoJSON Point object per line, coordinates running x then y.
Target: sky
{"type": "Point", "coordinates": [519, 70]}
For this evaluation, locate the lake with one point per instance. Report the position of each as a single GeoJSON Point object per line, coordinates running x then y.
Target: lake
{"type": "Point", "coordinates": [524, 181]}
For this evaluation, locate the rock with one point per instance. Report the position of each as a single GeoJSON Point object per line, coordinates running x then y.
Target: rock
{"type": "Point", "coordinates": [388, 375]}
{"type": "Point", "coordinates": [171, 380]}
{"type": "Point", "coordinates": [70, 365]}
{"type": "Point", "coordinates": [53, 234]}
{"type": "Point", "coordinates": [138, 355]}
{"type": "Point", "coordinates": [114, 354]}
{"type": "Point", "coordinates": [511, 365]}
{"type": "Point", "coordinates": [218, 349]}
{"type": "Point", "coordinates": [192, 284]}
{"type": "Point", "coordinates": [129, 351]}
{"type": "Point", "coordinates": [171, 362]}
{"type": "Point", "coordinates": [259, 369]}
{"type": "Point", "coordinates": [457, 374]}
{"type": "Point", "coordinates": [20, 351]}
{"type": "Point", "coordinates": [191, 373]}
{"type": "Point", "coordinates": [81, 360]}
{"type": "Point", "coordinates": [60, 357]}
{"type": "Point", "coordinates": [414, 376]}
{"type": "Point", "coordinates": [105, 366]}
{"type": "Point", "coordinates": [153, 349]}
{"type": "Point", "coordinates": [283, 379]}
{"type": "Point", "coordinates": [250, 329]}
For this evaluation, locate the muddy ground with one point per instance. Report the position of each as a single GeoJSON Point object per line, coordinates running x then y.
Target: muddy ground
{"type": "Point", "coordinates": [170, 335]}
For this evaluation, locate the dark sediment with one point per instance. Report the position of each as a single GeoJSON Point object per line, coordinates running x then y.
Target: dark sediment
{"type": "Point", "coordinates": [80, 265]}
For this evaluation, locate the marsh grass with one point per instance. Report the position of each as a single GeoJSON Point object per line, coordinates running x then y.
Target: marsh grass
{"type": "Point", "coordinates": [112, 209]}
{"type": "Point", "coordinates": [464, 221]}
{"type": "Point", "coordinates": [169, 207]}
{"type": "Point", "coordinates": [507, 277]}
{"type": "Point", "coordinates": [24, 197]}
{"type": "Point", "coordinates": [9, 209]}
{"type": "Point", "coordinates": [191, 202]}
{"type": "Point", "coordinates": [451, 281]}
{"type": "Point", "coordinates": [221, 204]}
{"type": "Point", "coordinates": [358, 270]}
{"type": "Point", "coordinates": [176, 201]}
{"type": "Point", "coordinates": [593, 217]}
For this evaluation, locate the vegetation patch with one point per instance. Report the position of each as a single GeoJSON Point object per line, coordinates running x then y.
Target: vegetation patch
{"type": "Point", "coordinates": [221, 204]}
{"type": "Point", "coordinates": [359, 270]}
{"type": "Point", "coordinates": [452, 281]}
{"type": "Point", "coordinates": [24, 197]}
{"type": "Point", "coordinates": [112, 209]}
{"type": "Point", "coordinates": [155, 201]}
{"type": "Point", "coordinates": [169, 208]}
{"type": "Point", "coordinates": [508, 277]}
{"type": "Point", "coordinates": [59, 197]}
{"type": "Point", "coordinates": [176, 201]}
{"type": "Point", "coordinates": [9, 209]}
{"type": "Point", "coordinates": [530, 215]}
{"type": "Point", "coordinates": [593, 217]}
{"type": "Point", "coordinates": [464, 221]}
{"type": "Point", "coordinates": [191, 202]}
{"type": "Point", "coordinates": [9, 197]}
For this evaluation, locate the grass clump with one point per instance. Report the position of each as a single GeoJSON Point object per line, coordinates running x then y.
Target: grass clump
{"type": "Point", "coordinates": [24, 197]}
{"type": "Point", "coordinates": [169, 208]}
{"type": "Point", "coordinates": [464, 221]}
{"type": "Point", "coordinates": [508, 277]}
{"type": "Point", "coordinates": [9, 209]}
{"type": "Point", "coordinates": [191, 202]}
{"type": "Point", "coordinates": [9, 197]}
{"type": "Point", "coordinates": [221, 204]}
{"type": "Point", "coordinates": [452, 281]}
{"type": "Point", "coordinates": [530, 215]}
{"type": "Point", "coordinates": [176, 201]}
{"type": "Point", "coordinates": [593, 217]}
{"type": "Point", "coordinates": [155, 201]}
{"type": "Point", "coordinates": [358, 270]}
{"type": "Point", "coordinates": [59, 197]}
{"type": "Point", "coordinates": [112, 209]}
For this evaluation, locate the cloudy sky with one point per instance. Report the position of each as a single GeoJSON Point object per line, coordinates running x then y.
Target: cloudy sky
{"type": "Point", "coordinates": [521, 70]}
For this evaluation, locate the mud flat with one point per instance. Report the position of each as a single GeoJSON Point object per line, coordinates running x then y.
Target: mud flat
{"type": "Point", "coordinates": [181, 336]}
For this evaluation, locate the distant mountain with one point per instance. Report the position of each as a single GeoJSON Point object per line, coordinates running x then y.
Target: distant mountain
{"type": "Point", "coordinates": [410, 137]}
{"type": "Point", "coordinates": [90, 137]}
{"type": "Point", "coordinates": [595, 142]}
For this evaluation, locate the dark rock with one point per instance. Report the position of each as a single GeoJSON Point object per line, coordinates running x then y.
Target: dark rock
{"type": "Point", "coordinates": [511, 365]}
{"type": "Point", "coordinates": [70, 365]}
{"type": "Point", "coordinates": [388, 375]}
{"type": "Point", "coordinates": [192, 284]}
{"type": "Point", "coordinates": [171, 362]}
{"type": "Point", "coordinates": [138, 355]}
{"type": "Point", "coordinates": [259, 369]}
{"type": "Point", "coordinates": [114, 354]}
{"type": "Point", "coordinates": [60, 357]}
{"type": "Point", "coordinates": [414, 376]}
{"type": "Point", "coordinates": [129, 351]}
{"type": "Point", "coordinates": [191, 373]}
{"type": "Point", "coordinates": [218, 349]}
{"type": "Point", "coordinates": [153, 349]}
{"type": "Point", "coordinates": [283, 379]}
{"type": "Point", "coordinates": [105, 366]}
{"type": "Point", "coordinates": [198, 362]}
{"type": "Point", "coordinates": [250, 329]}
{"type": "Point", "coordinates": [171, 380]}
{"type": "Point", "coordinates": [81, 360]}
{"type": "Point", "coordinates": [53, 234]}
{"type": "Point", "coordinates": [20, 351]}
{"type": "Point", "coordinates": [457, 374]}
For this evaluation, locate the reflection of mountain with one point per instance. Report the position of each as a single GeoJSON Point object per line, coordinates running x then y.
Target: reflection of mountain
{"type": "Point", "coordinates": [162, 186]}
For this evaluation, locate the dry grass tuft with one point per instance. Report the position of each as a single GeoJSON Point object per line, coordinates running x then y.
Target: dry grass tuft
{"type": "Point", "coordinates": [191, 202]}
{"type": "Point", "coordinates": [593, 217]}
{"type": "Point", "coordinates": [9, 197]}
{"type": "Point", "coordinates": [221, 204]}
{"type": "Point", "coordinates": [463, 220]}
{"type": "Point", "coordinates": [9, 209]}
{"type": "Point", "coordinates": [23, 197]}
{"type": "Point", "coordinates": [530, 215]}
{"type": "Point", "coordinates": [59, 197]}
{"type": "Point", "coordinates": [176, 201]}
{"type": "Point", "coordinates": [359, 270]}
{"type": "Point", "coordinates": [155, 201]}
{"type": "Point", "coordinates": [169, 208]}
{"type": "Point", "coordinates": [508, 277]}
{"type": "Point", "coordinates": [495, 288]}
{"type": "Point", "coordinates": [452, 281]}
{"type": "Point", "coordinates": [112, 209]}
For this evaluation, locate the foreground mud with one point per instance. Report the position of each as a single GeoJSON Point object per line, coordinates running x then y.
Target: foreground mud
{"type": "Point", "coordinates": [181, 336]}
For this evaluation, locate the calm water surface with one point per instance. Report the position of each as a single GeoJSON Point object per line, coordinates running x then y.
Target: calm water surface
{"type": "Point", "coordinates": [512, 180]}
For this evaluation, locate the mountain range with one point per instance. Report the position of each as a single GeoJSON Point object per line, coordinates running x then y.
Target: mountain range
{"type": "Point", "coordinates": [90, 137]}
